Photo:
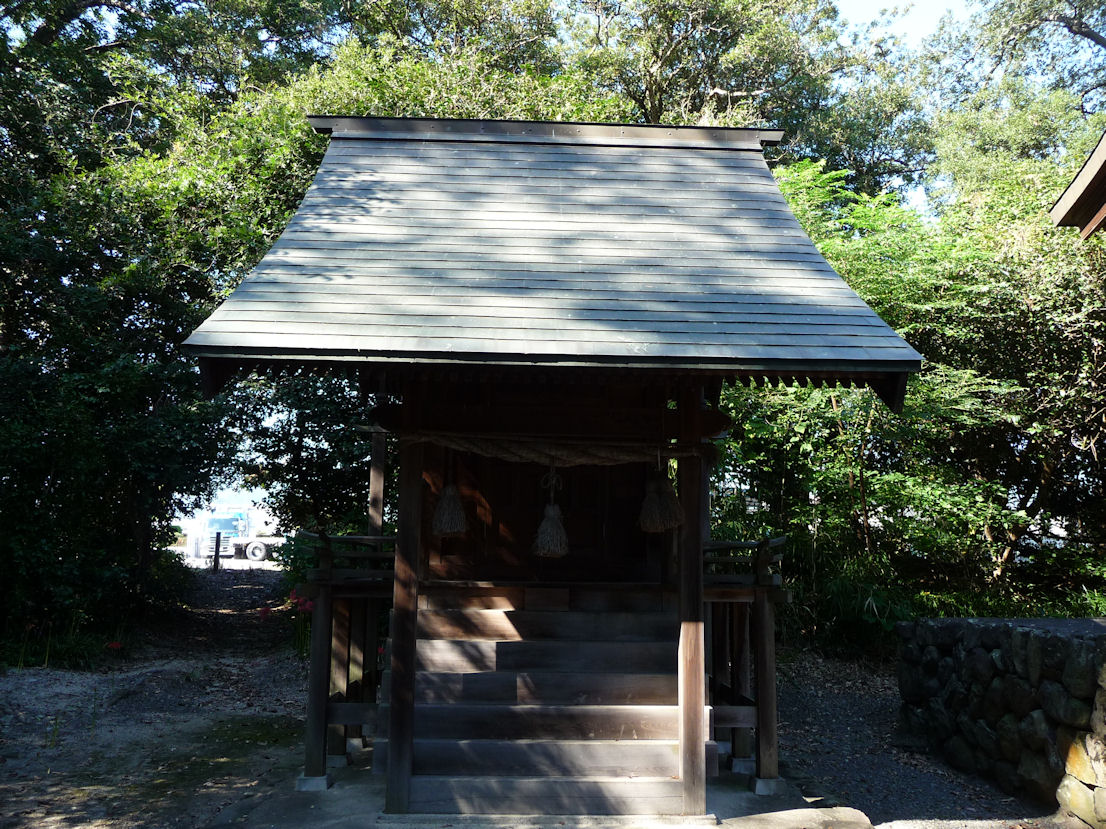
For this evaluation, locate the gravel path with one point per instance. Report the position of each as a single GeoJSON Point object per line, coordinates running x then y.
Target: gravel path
{"type": "Point", "coordinates": [839, 739]}
{"type": "Point", "coordinates": [205, 712]}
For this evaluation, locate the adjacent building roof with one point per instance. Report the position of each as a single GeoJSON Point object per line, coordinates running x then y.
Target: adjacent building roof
{"type": "Point", "coordinates": [521, 243]}
{"type": "Point", "coordinates": [1083, 203]}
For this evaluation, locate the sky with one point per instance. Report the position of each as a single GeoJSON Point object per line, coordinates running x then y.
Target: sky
{"type": "Point", "coordinates": [918, 23]}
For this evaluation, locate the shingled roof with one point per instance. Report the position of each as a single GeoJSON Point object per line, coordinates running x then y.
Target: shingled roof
{"type": "Point", "coordinates": [521, 243]}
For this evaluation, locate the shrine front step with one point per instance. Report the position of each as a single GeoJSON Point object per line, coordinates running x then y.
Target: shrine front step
{"type": "Point", "coordinates": [441, 655]}
{"type": "Point", "coordinates": [596, 795]}
{"type": "Point", "coordinates": [534, 625]}
{"type": "Point", "coordinates": [606, 598]}
{"type": "Point", "coordinates": [552, 758]}
{"type": "Point", "coordinates": [536, 687]}
{"type": "Point", "coordinates": [467, 721]}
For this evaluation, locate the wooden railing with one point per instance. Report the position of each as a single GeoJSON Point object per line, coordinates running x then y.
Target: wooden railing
{"type": "Point", "coordinates": [742, 584]}
{"type": "Point", "coordinates": [352, 590]}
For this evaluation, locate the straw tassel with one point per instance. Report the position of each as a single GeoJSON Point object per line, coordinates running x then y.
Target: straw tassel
{"type": "Point", "coordinates": [552, 540]}
{"type": "Point", "coordinates": [661, 510]}
{"type": "Point", "coordinates": [449, 514]}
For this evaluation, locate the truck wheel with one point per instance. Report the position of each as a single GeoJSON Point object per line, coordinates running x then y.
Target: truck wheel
{"type": "Point", "coordinates": [257, 552]}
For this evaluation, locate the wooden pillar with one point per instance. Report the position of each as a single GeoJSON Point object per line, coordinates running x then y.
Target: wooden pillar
{"type": "Point", "coordinates": [339, 672]}
{"type": "Point", "coordinates": [764, 613]}
{"type": "Point", "coordinates": [318, 688]}
{"type": "Point", "coordinates": [719, 687]}
{"type": "Point", "coordinates": [355, 691]}
{"type": "Point", "coordinates": [741, 676]}
{"type": "Point", "coordinates": [376, 483]}
{"type": "Point", "coordinates": [692, 674]}
{"type": "Point", "coordinates": [401, 717]}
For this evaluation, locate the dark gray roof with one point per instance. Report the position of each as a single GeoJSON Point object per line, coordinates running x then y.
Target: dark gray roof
{"type": "Point", "coordinates": [566, 244]}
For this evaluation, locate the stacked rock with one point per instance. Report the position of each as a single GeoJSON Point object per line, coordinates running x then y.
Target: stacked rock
{"type": "Point", "coordinates": [1022, 701]}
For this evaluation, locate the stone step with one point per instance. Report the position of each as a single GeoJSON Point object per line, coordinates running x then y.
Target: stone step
{"type": "Point", "coordinates": [536, 687]}
{"type": "Point", "coordinates": [463, 721]}
{"type": "Point", "coordinates": [555, 758]}
{"type": "Point", "coordinates": [442, 655]}
{"type": "Point", "coordinates": [437, 794]}
{"type": "Point", "coordinates": [517, 625]}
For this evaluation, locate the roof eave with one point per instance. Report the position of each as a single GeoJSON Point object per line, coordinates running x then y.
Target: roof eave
{"type": "Point", "coordinates": [1083, 202]}
{"type": "Point", "coordinates": [886, 377]}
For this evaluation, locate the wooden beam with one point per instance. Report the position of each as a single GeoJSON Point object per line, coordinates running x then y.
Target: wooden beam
{"type": "Point", "coordinates": [640, 424]}
{"type": "Point", "coordinates": [1096, 222]}
{"type": "Point", "coordinates": [405, 597]}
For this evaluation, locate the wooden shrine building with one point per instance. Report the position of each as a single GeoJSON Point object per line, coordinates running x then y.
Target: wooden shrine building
{"type": "Point", "coordinates": [551, 310]}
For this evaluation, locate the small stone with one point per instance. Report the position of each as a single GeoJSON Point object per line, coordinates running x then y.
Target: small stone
{"type": "Point", "coordinates": [999, 661]}
{"type": "Point", "coordinates": [946, 632]}
{"type": "Point", "coordinates": [1073, 751]}
{"type": "Point", "coordinates": [945, 669]}
{"type": "Point", "coordinates": [1098, 713]}
{"type": "Point", "coordinates": [1034, 658]}
{"type": "Point", "coordinates": [1063, 707]}
{"type": "Point", "coordinates": [987, 739]}
{"type": "Point", "coordinates": [1035, 731]}
{"type": "Point", "coordinates": [969, 634]}
{"type": "Point", "coordinates": [910, 652]}
{"type": "Point", "coordinates": [1021, 698]}
{"type": "Point", "coordinates": [1096, 751]}
{"type": "Point", "coordinates": [1079, 674]}
{"type": "Point", "coordinates": [1039, 776]}
{"type": "Point", "coordinates": [923, 632]}
{"type": "Point", "coordinates": [1077, 799]}
{"type": "Point", "coordinates": [930, 657]}
{"type": "Point", "coordinates": [1009, 742]}
{"type": "Point", "coordinates": [979, 667]}
{"type": "Point", "coordinates": [994, 701]}
{"type": "Point", "coordinates": [965, 726]}
{"type": "Point", "coordinates": [1100, 804]}
{"type": "Point", "coordinates": [1055, 652]}
{"type": "Point", "coordinates": [914, 719]}
{"type": "Point", "coordinates": [1018, 639]}
{"type": "Point", "coordinates": [994, 636]}
{"type": "Point", "coordinates": [953, 695]}
{"type": "Point", "coordinates": [940, 721]}
{"type": "Point", "coordinates": [931, 687]}
{"type": "Point", "coordinates": [911, 683]}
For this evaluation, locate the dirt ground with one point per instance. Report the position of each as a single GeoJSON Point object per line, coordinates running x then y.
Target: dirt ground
{"type": "Point", "coordinates": [205, 712]}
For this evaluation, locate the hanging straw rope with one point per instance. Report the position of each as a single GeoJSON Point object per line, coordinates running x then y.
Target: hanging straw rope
{"type": "Point", "coordinates": [552, 540]}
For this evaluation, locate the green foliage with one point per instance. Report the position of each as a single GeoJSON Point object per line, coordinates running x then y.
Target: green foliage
{"type": "Point", "coordinates": [151, 154]}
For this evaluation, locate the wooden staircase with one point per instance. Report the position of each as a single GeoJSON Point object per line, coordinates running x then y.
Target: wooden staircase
{"type": "Point", "coordinates": [545, 701]}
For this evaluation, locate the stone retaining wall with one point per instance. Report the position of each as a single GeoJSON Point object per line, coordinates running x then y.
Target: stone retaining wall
{"type": "Point", "coordinates": [1022, 701]}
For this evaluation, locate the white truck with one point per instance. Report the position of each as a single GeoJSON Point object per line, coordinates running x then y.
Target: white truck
{"type": "Point", "coordinates": [241, 533]}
